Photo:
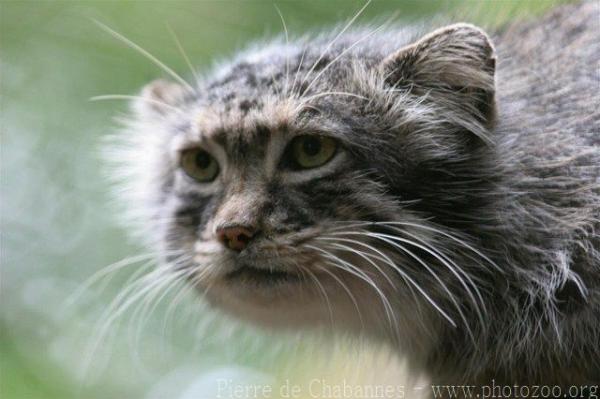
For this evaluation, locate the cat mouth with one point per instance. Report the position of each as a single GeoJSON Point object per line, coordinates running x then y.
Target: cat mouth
{"type": "Point", "coordinates": [262, 276]}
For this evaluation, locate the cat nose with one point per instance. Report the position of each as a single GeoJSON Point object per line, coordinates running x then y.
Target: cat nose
{"type": "Point", "coordinates": [235, 237]}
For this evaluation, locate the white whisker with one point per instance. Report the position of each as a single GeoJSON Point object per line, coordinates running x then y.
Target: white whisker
{"type": "Point", "coordinates": [339, 56]}
{"type": "Point", "coordinates": [450, 236]}
{"type": "Point", "coordinates": [350, 268]}
{"type": "Point", "coordinates": [332, 42]}
{"type": "Point", "coordinates": [109, 315]}
{"type": "Point", "coordinates": [287, 42]}
{"type": "Point", "coordinates": [369, 258]}
{"type": "Point", "coordinates": [183, 53]}
{"type": "Point", "coordinates": [325, 296]}
{"type": "Point", "coordinates": [407, 277]}
{"type": "Point", "coordinates": [348, 291]}
{"type": "Point", "coordinates": [364, 256]}
{"type": "Point", "coordinates": [100, 274]}
{"type": "Point", "coordinates": [128, 97]}
{"type": "Point", "coordinates": [436, 277]}
{"type": "Point", "coordinates": [298, 72]}
{"type": "Point", "coordinates": [189, 287]}
{"type": "Point", "coordinates": [146, 306]}
{"type": "Point", "coordinates": [145, 53]}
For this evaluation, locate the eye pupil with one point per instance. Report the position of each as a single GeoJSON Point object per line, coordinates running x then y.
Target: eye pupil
{"type": "Point", "coordinates": [203, 160]}
{"type": "Point", "coordinates": [311, 146]}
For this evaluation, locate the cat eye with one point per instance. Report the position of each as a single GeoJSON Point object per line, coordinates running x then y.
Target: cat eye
{"type": "Point", "coordinates": [199, 165]}
{"type": "Point", "coordinates": [311, 151]}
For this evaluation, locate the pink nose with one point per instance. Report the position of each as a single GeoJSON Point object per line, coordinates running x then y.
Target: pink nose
{"type": "Point", "coordinates": [235, 237]}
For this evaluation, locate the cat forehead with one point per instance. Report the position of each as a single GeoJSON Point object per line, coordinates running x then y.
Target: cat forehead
{"type": "Point", "coordinates": [271, 90]}
{"type": "Point", "coordinates": [244, 118]}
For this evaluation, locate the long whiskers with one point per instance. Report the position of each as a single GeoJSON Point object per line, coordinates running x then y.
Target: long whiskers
{"type": "Point", "coordinates": [324, 294]}
{"type": "Point", "coordinates": [146, 54]}
{"type": "Point", "coordinates": [102, 273]}
{"type": "Point", "coordinates": [369, 257]}
{"type": "Point", "coordinates": [183, 53]}
{"type": "Point", "coordinates": [196, 279]}
{"type": "Point", "coordinates": [364, 256]}
{"type": "Point", "coordinates": [391, 240]}
{"type": "Point", "coordinates": [135, 289]}
{"type": "Point", "coordinates": [461, 242]}
{"type": "Point", "coordinates": [335, 39]}
{"type": "Point", "coordinates": [340, 263]}
{"type": "Point", "coordinates": [293, 89]}
{"type": "Point", "coordinates": [287, 42]}
{"type": "Point", "coordinates": [401, 240]}
{"type": "Point", "coordinates": [348, 291]}
{"type": "Point", "coordinates": [405, 276]}
{"type": "Point", "coordinates": [339, 56]}
{"type": "Point", "coordinates": [148, 305]}
{"type": "Point", "coordinates": [106, 97]}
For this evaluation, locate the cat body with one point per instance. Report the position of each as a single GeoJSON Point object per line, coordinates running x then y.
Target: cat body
{"type": "Point", "coordinates": [439, 191]}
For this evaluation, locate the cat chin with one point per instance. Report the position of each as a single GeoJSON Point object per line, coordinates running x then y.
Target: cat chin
{"type": "Point", "coordinates": [294, 306]}
{"type": "Point", "coordinates": [276, 308]}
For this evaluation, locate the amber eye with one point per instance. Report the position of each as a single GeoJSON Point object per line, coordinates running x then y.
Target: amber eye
{"type": "Point", "coordinates": [199, 165]}
{"type": "Point", "coordinates": [311, 151]}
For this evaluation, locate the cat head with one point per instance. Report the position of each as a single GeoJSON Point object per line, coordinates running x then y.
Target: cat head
{"type": "Point", "coordinates": [324, 181]}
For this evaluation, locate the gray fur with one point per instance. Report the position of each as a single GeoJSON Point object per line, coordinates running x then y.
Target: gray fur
{"type": "Point", "coordinates": [474, 171]}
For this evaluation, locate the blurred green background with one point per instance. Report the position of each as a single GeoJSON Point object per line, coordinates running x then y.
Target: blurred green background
{"type": "Point", "coordinates": [58, 226]}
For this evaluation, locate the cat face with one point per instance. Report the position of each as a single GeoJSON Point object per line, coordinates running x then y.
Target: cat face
{"type": "Point", "coordinates": [299, 184]}
{"type": "Point", "coordinates": [262, 202]}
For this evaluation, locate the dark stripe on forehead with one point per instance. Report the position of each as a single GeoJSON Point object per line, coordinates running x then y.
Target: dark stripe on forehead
{"type": "Point", "coordinates": [242, 145]}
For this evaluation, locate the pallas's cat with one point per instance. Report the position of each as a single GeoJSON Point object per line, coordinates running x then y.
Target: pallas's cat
{"type": "Point", "coordinates": [437, 190]}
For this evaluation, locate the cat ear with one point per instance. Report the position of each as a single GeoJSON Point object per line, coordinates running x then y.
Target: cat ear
{"type": "Point", "coordinates": [159, 98]}
{"type": "Point", "coordinates": [457, 62]}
